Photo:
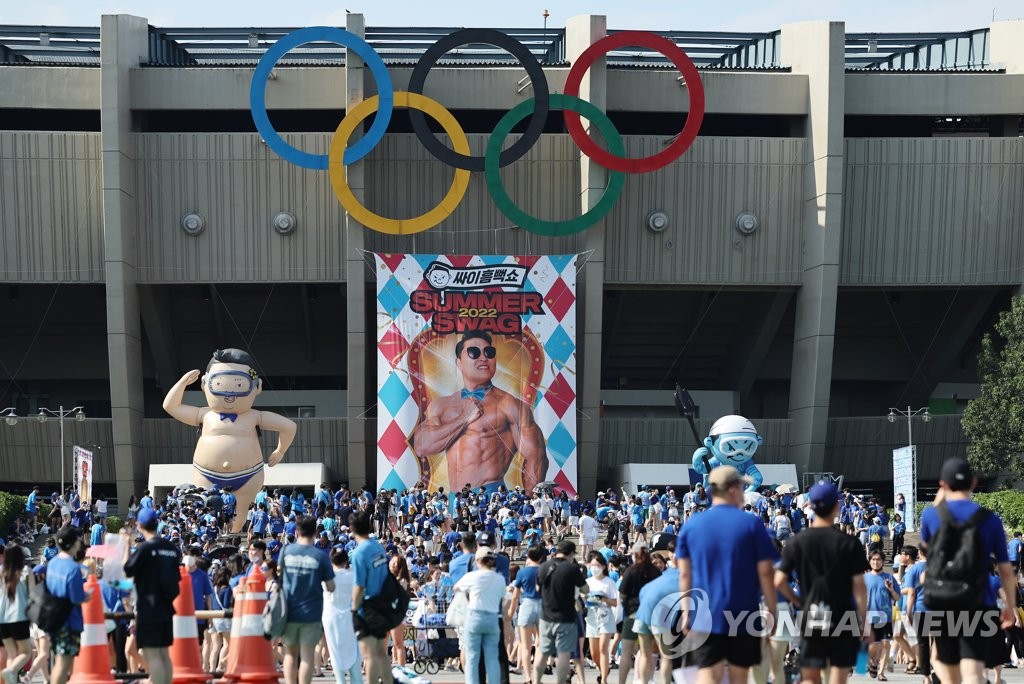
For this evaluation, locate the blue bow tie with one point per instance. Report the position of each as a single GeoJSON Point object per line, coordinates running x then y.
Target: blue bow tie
{"type": "Point", "coordinates": [477, 393]}
{"type": "Point", "coordinates": [229, 416]}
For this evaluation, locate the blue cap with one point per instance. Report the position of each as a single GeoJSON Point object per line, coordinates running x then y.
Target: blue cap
{"type": "Point", "coordinates": [823, 496]}
{"type": "Point", "coordinates": [147, 516]}
{"type": "Point", "coordinates": [39, 569]}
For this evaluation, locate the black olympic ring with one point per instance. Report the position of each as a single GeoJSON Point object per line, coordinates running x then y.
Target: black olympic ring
{"type": "Point", "coordinates": [537, 79]}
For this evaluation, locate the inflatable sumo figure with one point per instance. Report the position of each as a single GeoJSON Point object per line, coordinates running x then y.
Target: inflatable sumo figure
{"type": "Point", "coordinates": [733, 441]}
{"type": "Point", "coordinates": [228, 453]}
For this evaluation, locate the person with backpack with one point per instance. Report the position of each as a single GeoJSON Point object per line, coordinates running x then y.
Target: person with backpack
{"type": "Point", "coordinates": [830, 567]}
{"type": "Point", "coordinates": [370, 565]}
{"type": "Point", "coordinates": [877, 532]}
{"type": "Point", "coordinates": [305, 572]}
{"type": "Point", "coordinates": [64, 580]}
{"type": "Point", "coordinates": [961, 538]}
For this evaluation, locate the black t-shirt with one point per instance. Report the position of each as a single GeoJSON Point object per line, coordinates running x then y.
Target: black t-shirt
{"type": "Point", "coordinates": [633, 580]}
{"type": "Point", "coordinates": [154, 565]}
{"type": "Point", "coordinates": [558, 579]}
{"type": "Point", "coordinates": [825, 553]}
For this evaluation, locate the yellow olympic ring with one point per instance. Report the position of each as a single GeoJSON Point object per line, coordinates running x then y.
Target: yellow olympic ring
{"type": "Point", "coordinates": [355, 208]}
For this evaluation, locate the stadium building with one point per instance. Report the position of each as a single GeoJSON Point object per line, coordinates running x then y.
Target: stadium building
{"type": "Point", "coordinates": [835, 242]}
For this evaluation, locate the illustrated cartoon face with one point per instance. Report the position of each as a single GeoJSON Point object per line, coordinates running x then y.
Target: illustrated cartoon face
{"type": "Point", "coordinates": [231, 387]}
{"type": "Point", "coordinates": [477, 362]}
{"type": "Point", "coordinates": [733, 439]}
{"type": "Point", "coordinates": [438, 276]}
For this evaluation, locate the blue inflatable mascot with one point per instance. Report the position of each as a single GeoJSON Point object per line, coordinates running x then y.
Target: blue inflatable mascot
{"type": "Point", "coordinates": [733, 441]}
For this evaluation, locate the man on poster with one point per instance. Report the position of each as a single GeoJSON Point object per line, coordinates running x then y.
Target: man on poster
{"type": "Point", "coordinates": [480, 428]}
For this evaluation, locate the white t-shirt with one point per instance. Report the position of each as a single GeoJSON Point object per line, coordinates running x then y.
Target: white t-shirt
{"type": "Point", "coordinates": [588, 527]}
{"type": "Point", "coordinates": [101, 507]}
{"type": "Point", "coordinates": [485, 589]}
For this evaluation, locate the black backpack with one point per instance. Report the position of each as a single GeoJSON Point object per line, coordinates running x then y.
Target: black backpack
{"type": "Point", "coordinates": [47, 611]}
{"type": "Point", "coordinates": [957, 569]}
{"type": "Point", "coordinates": [386, 610]}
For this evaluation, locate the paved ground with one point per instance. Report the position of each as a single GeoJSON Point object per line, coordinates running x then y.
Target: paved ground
{"type": "Point", "coordinates": [1009, 676]}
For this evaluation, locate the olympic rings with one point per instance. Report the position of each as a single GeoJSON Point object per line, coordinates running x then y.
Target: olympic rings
{"type": "Point", "coordinates": [458, 155]}
{"type": "Point", "coordinates": [616, 179]}
{"type": "Point", "coordinates": [538, 81]}
{"type": "Point", "coordinates": [693, 85]}
{"type": "Point", "coordinates": [258, 101]}
{"type": "Point", "coordinates": [412, 101]}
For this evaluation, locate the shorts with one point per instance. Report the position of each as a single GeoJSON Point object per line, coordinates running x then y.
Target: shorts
{"type": "Point", "coordinates": [740, 650]}
{"type": "Point", "coordinates": [18, 631]}
{"type": "Point", "coordinates": [574, 520]}
{"type": "Point", "coordinates": [882, 632]}
{"type": "Point", "coordinates": [962, 644]}
{"type": "Point", "coordinates": [587, 541]}
{"type": "Point", "coordinates": [154, 634]}
{"type": "Point", "coordinates": [302, 633]}
{"type": "Point", "coordinates": [558, 637]}
{"type": "Point", "coordinates": [64, 642]}
{"type": "Point", "coordinates": [363, 632]}
{"type": "Point", "coordinates": [529, 613]}
{"type": "Point", "coordinates": [628, 633]}
{"type": "Point", "coordinates": [818, 652]}
{"type": "Point", "coordinates": [600, 620]}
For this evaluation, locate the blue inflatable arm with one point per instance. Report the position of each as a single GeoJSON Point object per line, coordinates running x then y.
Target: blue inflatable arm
{"type": "Point", "coordinates": [704, 462]}
{"type": "Point", "coordinates": [750, 470]}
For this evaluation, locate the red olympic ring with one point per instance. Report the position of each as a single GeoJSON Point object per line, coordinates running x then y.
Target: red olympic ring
{"type": "Point", "coordinates": [693, 84]}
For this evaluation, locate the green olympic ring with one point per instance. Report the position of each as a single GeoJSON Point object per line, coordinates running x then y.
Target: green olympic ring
{"type": "Point", "coordinates": [506, 206]}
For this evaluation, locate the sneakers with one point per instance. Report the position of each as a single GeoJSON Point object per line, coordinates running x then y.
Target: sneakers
{"type": "Point", "coordinates": [9, 677]}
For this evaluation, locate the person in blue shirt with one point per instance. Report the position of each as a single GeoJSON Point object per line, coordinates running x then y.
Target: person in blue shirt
{"type": "Point", "coordinates": [305, 573]}
{"type": "Point", "coordinates": [64, 580]}
{"type": "Point", "coordinates": [370, 566]}
{"type": "Point", "coordinates": [729, 555]}
{"type": "Point", "coordinates": [96, 533]}
{"type": "Point", "coordinates": [653, 625]}
{"type": "Point", "coordinates": [1013, 552]}
{"type": "Point", "coordinates": [260, 522]}
{"type": "Point", "coordinates": [913, 605]}
{"type": "Point", "coordinates": [963, 657]}
{"type": "Point", "coordinates": [877, 532]}
{"type": "Point", "coordinates": [882, 592]}
{"type": "Point", "coordinates": [32, 507]}
{"type": "Point", "coordinates": [899, 529]}
{"type": "Point", "coordinates": [146, 501]}
{"type": "Point", "coordinates": [526, 595]}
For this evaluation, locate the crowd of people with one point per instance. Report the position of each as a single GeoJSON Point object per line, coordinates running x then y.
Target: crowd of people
{"type": "Point", "coordinates": [550, 583]}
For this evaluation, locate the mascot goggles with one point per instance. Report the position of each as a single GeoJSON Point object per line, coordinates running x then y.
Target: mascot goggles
{"type": "Point", "coordinates": [737, 445]}
{"type": "Point", "coordinates": [231, 384]}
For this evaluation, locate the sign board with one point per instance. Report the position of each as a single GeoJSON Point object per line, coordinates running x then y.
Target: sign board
{"type": "Point", "coordinates": [83, 473]}
{"type": "Point", "coordinates": [904, 480]}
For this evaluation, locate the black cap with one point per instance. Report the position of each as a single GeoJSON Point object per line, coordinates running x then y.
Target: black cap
{"type": "Point", "coordinates": [485, 539]}
{"type": "Point", "coordinates": [663, 541]}
{"type": "Point", "coordinates": [957, 474]}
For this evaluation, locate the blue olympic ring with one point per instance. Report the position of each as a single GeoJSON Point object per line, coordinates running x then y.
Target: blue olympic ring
{"type": "Point", "coordinates": [258, 99]}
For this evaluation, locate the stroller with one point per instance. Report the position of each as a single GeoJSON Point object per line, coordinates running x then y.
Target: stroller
{"type": "Point", "coordinates": [437, 651]}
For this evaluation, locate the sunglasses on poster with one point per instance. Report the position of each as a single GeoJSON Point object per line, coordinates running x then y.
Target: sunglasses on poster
{"type": "Point", "coordinates": [474, 352]}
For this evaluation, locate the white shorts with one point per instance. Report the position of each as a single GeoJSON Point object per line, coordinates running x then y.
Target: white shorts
{"type": "Point", "coordinates": [600, 620]}
{"type": "Point", "coordinates": [574, 520]}
{"type": "Point", "coordinates": [587, 541]}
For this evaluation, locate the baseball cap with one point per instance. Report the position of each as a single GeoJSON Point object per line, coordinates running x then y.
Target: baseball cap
{"type": "Point", "coordinates": [147, 516]}
{"type": "Point", "coordinates": [823, 496]}
{"type": "Point", "coordinates": [957, 474]}
{"type": "Point", "coordinates": [723, 477]}
{"type": "Point", "coordinates": [638, 547]}
{"type": "Point", "coordinates": [484, 552]}
{"type": "Point", "coordinates": [664, 543]}
{"type": "Point", "coordinates": [485, 539]}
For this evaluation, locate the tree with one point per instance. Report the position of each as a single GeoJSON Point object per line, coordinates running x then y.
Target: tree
{"type": "Point", "coordinates": [994, 422]}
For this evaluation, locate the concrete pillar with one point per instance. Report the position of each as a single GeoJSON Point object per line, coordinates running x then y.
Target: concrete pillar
{"type": "Point", "coordinates": [360, 451]}
{"type": "Point", "coordinates": [817, 50]}
{"type": "Point", "coordinates": [580, 33]}
{"type": "Point", "coordinates": [124, 43]}
{"type": "Point", "coordinates": [1007, 45]}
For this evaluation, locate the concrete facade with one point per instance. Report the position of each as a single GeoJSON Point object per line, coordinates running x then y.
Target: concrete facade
{"type": "Point", "coordinates": [923, 232]}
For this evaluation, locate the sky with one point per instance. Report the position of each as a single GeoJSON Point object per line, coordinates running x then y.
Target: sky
{"type": "Point", "coordinates": [730, 15]}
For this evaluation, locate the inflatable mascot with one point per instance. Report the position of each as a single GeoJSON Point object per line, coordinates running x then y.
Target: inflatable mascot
{"type": "Point", "coordinates": [228, 453]}
{"type": "Point", "coordinates": [733, 441]}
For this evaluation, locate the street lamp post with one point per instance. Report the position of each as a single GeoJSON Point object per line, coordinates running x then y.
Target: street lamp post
{"type": "Point", "coordinates": [910, 413]}
{"type": "Point", "coordinates": [11, 418]}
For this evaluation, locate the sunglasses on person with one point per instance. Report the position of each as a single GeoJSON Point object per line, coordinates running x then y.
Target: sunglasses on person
{"type": "Point", "coordinates": [474, 352]}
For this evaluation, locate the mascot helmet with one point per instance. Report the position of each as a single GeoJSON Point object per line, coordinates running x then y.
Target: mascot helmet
{"type": "Point", "coordinates": [733, 439]}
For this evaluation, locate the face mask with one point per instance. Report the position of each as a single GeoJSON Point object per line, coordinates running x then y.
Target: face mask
{"type": "Point", "coordinates": [597, 572]}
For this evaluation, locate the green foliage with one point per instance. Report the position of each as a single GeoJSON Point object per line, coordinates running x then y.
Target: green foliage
{"type": "Point", "coordinates": [1008, 504]}
{"type": "Point", "coordinates": [11, 506]}
{"type": "Point", "coordinates": [114, 524]}
{"type": "Point", "coordinates": [994, 422]}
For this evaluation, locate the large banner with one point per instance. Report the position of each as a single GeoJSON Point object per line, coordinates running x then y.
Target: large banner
{"type": "Point", "coordinates": [904, 480]}
{"type": "Point", "coordinates": [83, 473]}
{"type": "Point", "coordinates": [476, 371]}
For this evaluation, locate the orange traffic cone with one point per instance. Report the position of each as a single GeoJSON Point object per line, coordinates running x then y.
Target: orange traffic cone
{"type": "Point", "coordinates": [92, 665]}
{"type": "Point", "coordinates": [250, 658]}
{"type": "Point", "coordinates": [185, 647]}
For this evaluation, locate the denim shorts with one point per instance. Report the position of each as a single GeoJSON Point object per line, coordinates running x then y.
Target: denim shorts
{"type": "Point", "coordinates": [529, 613]}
